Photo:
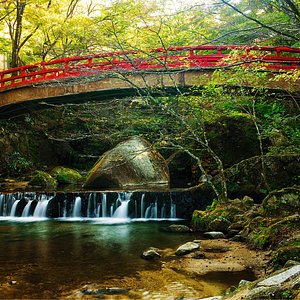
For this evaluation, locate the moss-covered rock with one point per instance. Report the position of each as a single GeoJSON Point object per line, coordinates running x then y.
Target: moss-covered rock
{"type": "Point", "coordinates": [131, 164]}
{"type": "Point", "coordinates": [219, 216]}
{"type": "Point", "coordinates": [245, 178]}
{"type": "Point", "coordinates": [65, 175]}
{"type": "Point", "coordinates": [282, 202]}
{"type": "Point", "coordinates": [284, 254]}
{"type": "Point", "coordinates": [42, 179]}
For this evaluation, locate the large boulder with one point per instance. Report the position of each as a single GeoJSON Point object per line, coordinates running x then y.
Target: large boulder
{"type": "Point", "coordinates": [131, 164]}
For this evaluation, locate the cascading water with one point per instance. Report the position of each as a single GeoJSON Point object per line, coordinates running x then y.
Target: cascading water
{"type": "Point", "coordinates": [142, 206]}
{"type": "Point", "coordinates": [77, 208]}
{"type": "Point", "coordinates": [14, 208]}
{"type": "Point", "coordinates": [26, 209]}
{"type": "Point", "coordinates": [96, 205]}
{"type": "Point", "coordinates": [104, 205]}
{"type": "Point", "coordinates": [41, 207]}
{"type": "Point", "coordinates": [122, 211]}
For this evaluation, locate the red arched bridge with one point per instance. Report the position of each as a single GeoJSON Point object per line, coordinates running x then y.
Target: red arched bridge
{"type": "Point", "coordinates": [119, 74]}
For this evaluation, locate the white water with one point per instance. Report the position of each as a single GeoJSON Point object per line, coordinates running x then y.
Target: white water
{"type": "Point", "coordinates": [173, 211]}
{"type": "Point", "coordinates": [1, 204]}
{"type": "Point", "coordinates": [41, 209]}
{"type": "Point", "coordinates": [104, 204]}
{"type": "Point", "coordinates": [142, 206]}
{"type": "Point", "coordinates": [122, 211]}
{"type": "Point", "coordinates": [77, 208]}
{"type": "Point", "coordinates": [89, 206]}
{"type": "Point", "coordinates": [26, 210]}
{"type": "Point", "coordinates": [14, 208]}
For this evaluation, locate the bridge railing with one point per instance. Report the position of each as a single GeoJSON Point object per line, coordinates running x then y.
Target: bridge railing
{"type": "Point", "coordinates": [182, 57]}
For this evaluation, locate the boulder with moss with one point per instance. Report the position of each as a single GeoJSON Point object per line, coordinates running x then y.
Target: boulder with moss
{"type": "Point", "coordinates": [43, 180]}
{"type": "Point", "coordinates": [131, 164]}
{"type": "Point", "coordinates": [65, 175]}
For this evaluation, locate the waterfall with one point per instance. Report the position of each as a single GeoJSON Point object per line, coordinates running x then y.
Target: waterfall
{"type": "Point", "coordinates": [14, 208]}
{"type": "Point", "coordinates": [26, 210]}
{"type": "Point", "coordinates": [89, 208]}
{"type": "Point", "coordinates": [111, 210]}
{"type": "Point", "coordinates": [148, 211]}
{"type": "Point", "coordinates": [1, 204]}
{"type": "Point", "coordinates": [173, 211]}
{"type": "Point", "coordinates": [155, 208]}
{"type": "Point", "coordinates": [104, 204]}
{"type": "Point", "coordinates": [90, 205]}
{"type": "Point", "coordinates": [41, 208]}
{"type": "Point", "coordinates": [142, 205]}
{"type": "Point", "coordinates": [77, 208]}
{"type": "Point", "coordinates": [122, 211]}
{"type": "Point", "coordinates": [163, 211]}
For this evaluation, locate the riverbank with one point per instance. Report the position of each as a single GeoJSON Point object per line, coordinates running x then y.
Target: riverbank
{"type": "Point", "coordinates": [223, 264]}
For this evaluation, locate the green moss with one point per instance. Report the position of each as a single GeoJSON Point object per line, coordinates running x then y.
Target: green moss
{"type": "Point", "coordinates": [43, 179]}
{"type": "Point", "coordinates": [66, 175]}
{"type": "Point", "coordinates": [283, 254]}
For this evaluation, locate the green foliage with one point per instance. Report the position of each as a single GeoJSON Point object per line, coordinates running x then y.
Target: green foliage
{"type": "Point", "coordinates": [287, 294]}
{"type": "Point", "coordinates": [17, 164]}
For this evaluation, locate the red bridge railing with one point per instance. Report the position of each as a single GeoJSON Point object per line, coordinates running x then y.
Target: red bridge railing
{"type": "Point", "coordinates": [182, 57]}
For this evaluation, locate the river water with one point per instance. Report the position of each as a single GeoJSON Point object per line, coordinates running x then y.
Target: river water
{"type": "Point", "coordinates": [44, 259]}
{"type": "Point", "coordinates": [54, 244]}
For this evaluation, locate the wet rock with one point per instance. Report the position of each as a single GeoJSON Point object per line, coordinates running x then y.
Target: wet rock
{"type": "Point", "coordinates": [187, 248]}
{"type": "Point", "coordinates": [177, 228]}
{"type": "Point", "coordinates": [198, 255]}
{"type": "Point", "coordinates": [214, 235]}
{"type": "Point", "coordinates": [239, 238]}
{"type": "Point", "coordinates": [131, 164]}
{"type": "Point", "coordinates": [151, 253]}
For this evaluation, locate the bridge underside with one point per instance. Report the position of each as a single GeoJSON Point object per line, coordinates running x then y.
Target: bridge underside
{"type": "Point", "coordinates": [104, 87]}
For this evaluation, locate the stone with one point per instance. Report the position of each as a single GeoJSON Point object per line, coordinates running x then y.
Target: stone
{"type": "Point", "coordinates": [243, 282]}
{"type": "Point", "coordinates": [178, 228]}
{"type": "Point", "coordinates": [131, 164]}
{"type": "Point", "coordinates": [212, 298]}
{"type": "Point", "coordinates": [151, 253]}
{"type": "Point", "coordinates": [219, 225]}
{"type": "Point", "coordinates": [198, 255]}
{"type": "Point", "coordinates": [291, 263]}
{"type": "Point", "coordinates": [187, 248]}
{"type": "Point", "coordinates": [262, 292]}
{"type": "Point", "coordinates": [214, 235]}
{"type": "Point", "coordinates": [281, 277]}
{"type": "Point", "coordinates": [65, 175]}
{"type": "Point", "coordinates": [43, 180]}
{"type": "Point", "coordinates": [239, 238]}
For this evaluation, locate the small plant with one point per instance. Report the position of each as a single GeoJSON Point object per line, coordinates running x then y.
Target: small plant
{"type": "Point", "coordinates": [17, 164]}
